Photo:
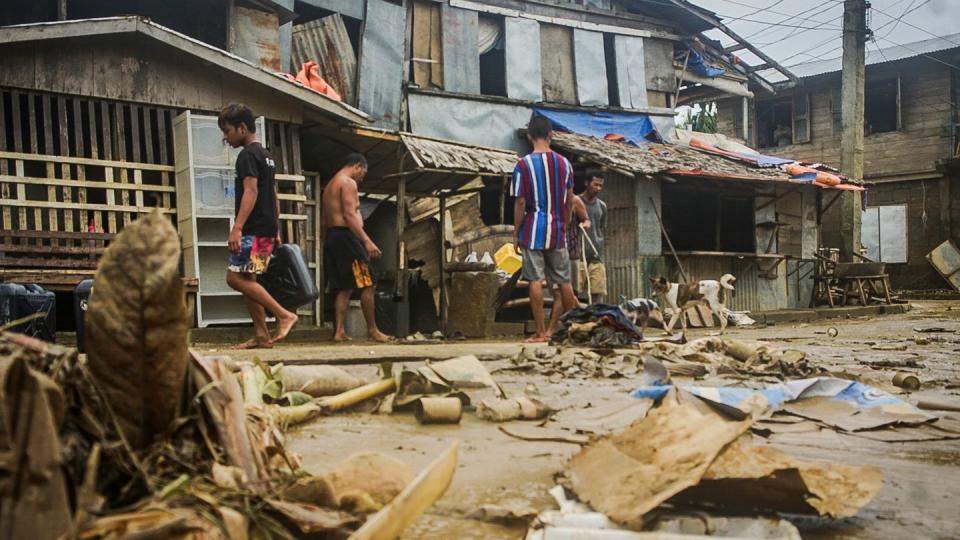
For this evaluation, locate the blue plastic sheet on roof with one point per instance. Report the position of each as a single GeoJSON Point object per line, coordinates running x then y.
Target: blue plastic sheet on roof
{"type": "Point", "coordinates": [696, 65]}
{"type": "Point", "coordinates": [636, 128]}
{"type": "Point", "coordinates": [769, 161]}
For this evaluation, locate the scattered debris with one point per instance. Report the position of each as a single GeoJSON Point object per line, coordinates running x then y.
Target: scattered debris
{"type": "Point", "coordinates": [317, 380]}
{"type": "Point", "coordinates": [907, 381]}
{"type": "Point", "coordinates": [439, 410]}
{"type": "Point", "coordinates": [504, 410]}
{"type": "Point", "coordinates": [931, 329]}
{"type": "Point", "coordinates": [897, 364]}
{"type": "Point", "coordinates": [540, 434]}
{"type": "Point", "coordinates": [597, 325]}
{"type": "Point", "coordinates": [506, 515]}
{"type": "Point", "coordinates": [933, 405]}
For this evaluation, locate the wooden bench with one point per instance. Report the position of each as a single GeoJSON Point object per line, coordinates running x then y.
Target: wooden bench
{"type": "Point", "coordinates": [55, 260]}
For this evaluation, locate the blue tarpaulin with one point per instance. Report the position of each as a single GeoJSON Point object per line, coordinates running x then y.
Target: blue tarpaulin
{"type": "Point", "coordinates": [636, 128]}
{"type": "Point", "coordinates": [696, 65]}
{"type": "Point", "coordinates": [849, 405]}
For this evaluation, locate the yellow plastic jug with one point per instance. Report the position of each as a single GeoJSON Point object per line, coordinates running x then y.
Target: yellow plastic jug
{"type": "Point", "coordinates": [507, 259]}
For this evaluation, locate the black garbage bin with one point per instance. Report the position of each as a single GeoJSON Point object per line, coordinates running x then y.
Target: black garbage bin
{"type": "Point", "coordinates": [81, 295]}
{"type": "Point", "coordinates": [18, 301]}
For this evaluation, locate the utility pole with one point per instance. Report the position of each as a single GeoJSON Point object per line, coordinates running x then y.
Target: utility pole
{"type": "Point", "coordinates": [851, 146]}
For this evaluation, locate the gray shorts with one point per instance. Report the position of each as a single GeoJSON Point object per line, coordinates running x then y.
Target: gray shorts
{"type": "Point", "coordinates": [553, 264]}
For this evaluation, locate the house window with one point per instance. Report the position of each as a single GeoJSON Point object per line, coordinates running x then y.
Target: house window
{"type": "Point", "coordinates": [774, 119]}
{"type": "Point", "coordinates": [881, 109]}
{"type": "Point", "coordinates": [883, 232]}
{"type": "Point", "coordinates": [700, 219]}
{"type": "Point", "coordinates": [783, 122]}
{"type": "Point", "coordinates": [493, 60]}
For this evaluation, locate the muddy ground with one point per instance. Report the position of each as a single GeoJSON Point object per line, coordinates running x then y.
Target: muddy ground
{"type": "Point", "coordinates": [921, 479]}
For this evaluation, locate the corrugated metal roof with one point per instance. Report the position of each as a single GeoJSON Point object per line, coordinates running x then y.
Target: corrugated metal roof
{"type": "Point", "coordinates": [880, 56]}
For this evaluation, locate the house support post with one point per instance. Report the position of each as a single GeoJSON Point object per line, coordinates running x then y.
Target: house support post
{"type": "Point", "coordinates": [851, 151]}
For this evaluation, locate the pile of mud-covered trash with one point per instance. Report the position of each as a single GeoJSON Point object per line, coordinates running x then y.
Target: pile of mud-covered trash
{"type": "Point", "coordinates": [144, 438]}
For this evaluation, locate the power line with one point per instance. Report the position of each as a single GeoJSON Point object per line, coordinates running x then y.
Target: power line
{"type": "Point", "coordinates": [788, 18]}
{"type": "Point", "coordinates": [902, 15]}
{"type": "Point", "coordinates": [796, 32]}
{"type": "Point", "coordinates": [900, 20]}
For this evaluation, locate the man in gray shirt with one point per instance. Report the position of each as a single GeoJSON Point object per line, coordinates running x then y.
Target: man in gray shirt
{"type": "Point", "coordinates": [597, 212]}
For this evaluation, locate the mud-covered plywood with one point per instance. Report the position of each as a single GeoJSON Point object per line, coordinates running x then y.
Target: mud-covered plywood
{"type": "Point", "coordinates": [591, 67]}
{"type": "Point", "coordinates": [556, 64]}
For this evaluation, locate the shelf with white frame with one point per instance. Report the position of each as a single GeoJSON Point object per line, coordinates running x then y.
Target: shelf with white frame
{"type": "Point", "coordinates": [205, 167]}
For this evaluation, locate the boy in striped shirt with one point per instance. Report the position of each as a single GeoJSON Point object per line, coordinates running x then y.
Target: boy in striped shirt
{"type": "Point", "coordinates": [543, 188]}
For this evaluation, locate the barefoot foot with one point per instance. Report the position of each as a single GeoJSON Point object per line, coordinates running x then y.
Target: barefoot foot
{"type": "Point", "coordinates": [537, 338]}
{"type": "Point", "coordinates": [341, 337]}
{"type": "Point", "coordinates": [284, 326]}
{"type": "Point", "coordinates": [380, 337]}
{"type": "Point", "coordinates": [255, 343]}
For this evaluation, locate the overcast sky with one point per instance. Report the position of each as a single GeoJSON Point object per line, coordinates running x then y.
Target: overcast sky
{"type": "Point", "coordinates": [819, 37]}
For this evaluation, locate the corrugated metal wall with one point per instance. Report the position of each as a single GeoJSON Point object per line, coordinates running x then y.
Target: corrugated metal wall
{"type": "Point", "coordinates": [753, 293]}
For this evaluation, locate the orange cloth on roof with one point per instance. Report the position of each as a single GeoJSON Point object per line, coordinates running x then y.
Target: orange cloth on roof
{"type": "Point", "coordinates": [309, 76]}
{"type": "Point", "coordinates": [823, 178]}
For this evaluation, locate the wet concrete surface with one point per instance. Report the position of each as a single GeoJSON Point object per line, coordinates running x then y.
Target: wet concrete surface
{"type": "Point", "coordinates": [921, 479]}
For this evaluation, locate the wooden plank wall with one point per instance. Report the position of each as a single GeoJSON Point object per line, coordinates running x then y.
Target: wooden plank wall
{"type": "Point", "coordinates": [72, 164]}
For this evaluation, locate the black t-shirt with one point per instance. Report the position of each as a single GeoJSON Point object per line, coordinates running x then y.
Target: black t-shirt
{"type": "Point", "coordinates": [254, 160]}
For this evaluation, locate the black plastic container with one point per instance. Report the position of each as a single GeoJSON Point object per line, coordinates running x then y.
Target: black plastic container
{"type": "Point", "coordinates": [81, 295]}
{"type": "Point", "coordinates": [288, 278]}
{"type": "Point", "coordinates": [392, 314]}
{"type": "Point", "coordinates": [19, 301]}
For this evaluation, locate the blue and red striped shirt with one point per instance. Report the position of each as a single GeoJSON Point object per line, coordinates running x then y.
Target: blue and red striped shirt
{"type": "Point", "coordinates": [543, 179]}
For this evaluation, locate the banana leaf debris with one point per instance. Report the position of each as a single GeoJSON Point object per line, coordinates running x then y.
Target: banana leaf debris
{"type": "Point", "coordinates": [143, 438]}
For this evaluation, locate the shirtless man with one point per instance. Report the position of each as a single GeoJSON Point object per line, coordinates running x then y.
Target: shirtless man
{"type": "Point", "coordinates": [347, 250]}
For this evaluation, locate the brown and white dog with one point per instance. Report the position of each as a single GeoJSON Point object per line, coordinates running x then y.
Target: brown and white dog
{"type": "Point", "coordinates": [682, 297]}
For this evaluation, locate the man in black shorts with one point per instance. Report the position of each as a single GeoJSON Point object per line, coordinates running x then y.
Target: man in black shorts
{"type": "Point", "coordinates": [256, 228]}
{"type": "Point", "coordinates": [347, 250]}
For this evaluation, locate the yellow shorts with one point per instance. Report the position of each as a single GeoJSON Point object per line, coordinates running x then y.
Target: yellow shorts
{"type": "Point", "coordinates": [598, 278]}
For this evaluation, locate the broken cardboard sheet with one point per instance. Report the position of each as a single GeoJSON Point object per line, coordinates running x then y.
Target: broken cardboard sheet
{"type": "Point", "coordinates": [682, 453]}
{"type": "Point", "coordinates": [627, 475]}
{"type": "Point", "coordinates": [765, 478]}
{"type": "Point", "coordinates": [608, 417]}
{"type": "Point", "coordinates": [576, 521]}
{"type": "Point", "coordinates": [440, 379]}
